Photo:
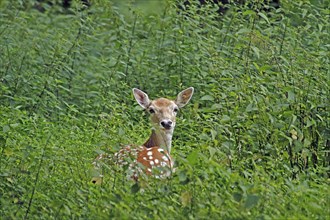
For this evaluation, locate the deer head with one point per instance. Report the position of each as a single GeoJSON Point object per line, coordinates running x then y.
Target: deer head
{"type": "Point", "coordinates": [163, 113]}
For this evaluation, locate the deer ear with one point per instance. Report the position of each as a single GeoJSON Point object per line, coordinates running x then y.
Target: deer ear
{"type": "Point", "coordinates": [142, 98]}
{"type": "Point", "coordinates": [184, 97]}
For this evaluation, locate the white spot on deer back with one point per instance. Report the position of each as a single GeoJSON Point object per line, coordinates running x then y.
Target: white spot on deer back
{"type": "Point", "coordinates": [163, 164]}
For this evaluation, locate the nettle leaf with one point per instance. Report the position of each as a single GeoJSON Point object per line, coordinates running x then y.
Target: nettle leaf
{"type": "Point", "coordinates": [214, 134]}
{"type": "Point", "coordinates": [212, 151]}
{"type": "Point", "coordinates": [251, 201]}
{"type": "Point", "coordinates": [193, 157]}
{"type": "Point", "coordinates": [182, 176]}
{"type": "Point", "coordinates": [135, 188]}
{"type": "Point", "coordinates": [225, 118]}
{"type": "Point", "coordinates": [256, 51]}
{"type": "Point", "coordinates": [237, 196]}
{"type": "Point", "coordinates": [186, 198]}
{"type": "Point", "coordinates": [251, 107]}
{"type": "Point", "coordinates": [264, 17]}
{"type": "Point", "coordinates": [243, 31]}
{"type": "Point", "coordinates": [249, 12]}
{"type": "Point", "coordinates": [291, 95]}
{"type": "Point", "coordinates": [207, 98]}
{"type": "Point", "coordinates": [310, 122]}
{"type": "Point", "coordinates": [216, 106]}
{"type": "Point", "coordinates": [5, 128]}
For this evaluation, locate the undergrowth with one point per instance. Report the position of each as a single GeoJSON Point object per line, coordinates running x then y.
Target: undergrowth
{"type": "Point", "coordinates": [253, 144]}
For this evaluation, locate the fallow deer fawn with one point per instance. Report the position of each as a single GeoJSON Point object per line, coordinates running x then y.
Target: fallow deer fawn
{"type": "Point", "coordinates": [153, 157]}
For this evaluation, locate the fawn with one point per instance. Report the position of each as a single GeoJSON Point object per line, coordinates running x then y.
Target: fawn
{"type": "Point", "coordinates": [153, 157]}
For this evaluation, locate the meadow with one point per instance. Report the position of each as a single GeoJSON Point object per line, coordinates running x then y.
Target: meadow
{"type": "Point", "coordinates": [253, 143]}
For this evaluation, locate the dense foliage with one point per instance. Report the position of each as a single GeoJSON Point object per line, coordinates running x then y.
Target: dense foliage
{"type": "Point", "coordinates": [253, 144]}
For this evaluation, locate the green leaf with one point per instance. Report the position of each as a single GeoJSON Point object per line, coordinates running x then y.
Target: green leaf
{"type": "Point", "coordinates": [5, 128]}
{"type": "Point", "coordinates": [264, 17]}
{"type": "Point", "coordinates": [237, 196]}
{"type": "Point", "coordinates": [256, 51]}
{"type": "Point", "coordinates": [207, 98]}
{"type": "Point", "coordinates": [216, 106]}
{"type": "Point", "coordinates": [249, 12]}
{"type": "Point", "coordinates": [14, 125]}
{"type": "Point", "coordinates": [212, 151]}
{"type": "Point", "coordinates": [182, 176]}
{"type": "Point", "coordinates": [243, 30]}
{"type": "Point", "coordinates": [193, 157]}
{"type": "Point", "coordinates": [135, 188]}
{"type": "Point", "coordinates": [225, 118]}
{"type": "Point", "coordinates": [310, 122]}
{"type": "Point", "coordinates": [291, 95]}
{"type": "Point", "coordinates": [251, 201]}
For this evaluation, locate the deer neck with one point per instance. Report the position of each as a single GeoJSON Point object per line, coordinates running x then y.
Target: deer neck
{"type": "Point", "coordinates": [160, 138]}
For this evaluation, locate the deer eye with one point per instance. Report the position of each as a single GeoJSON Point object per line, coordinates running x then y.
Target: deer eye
{"type": "Point", "coordinates": [151, 110]}
{"type": "Point", "coordinates": [176, 110]}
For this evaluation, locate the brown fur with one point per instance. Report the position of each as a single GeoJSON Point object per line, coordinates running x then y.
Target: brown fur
{"type": "Point", "coordinates": [143, 159]}
{"type": "Point", "coordinates": [162, 102]}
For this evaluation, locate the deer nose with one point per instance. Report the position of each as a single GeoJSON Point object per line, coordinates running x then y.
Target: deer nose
{"type": "Point", "coordinates": [167, 124]}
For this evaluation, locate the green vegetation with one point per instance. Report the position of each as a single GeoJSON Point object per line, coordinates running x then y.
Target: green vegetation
{"type": "Point", "coordinates": [253, 144]}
